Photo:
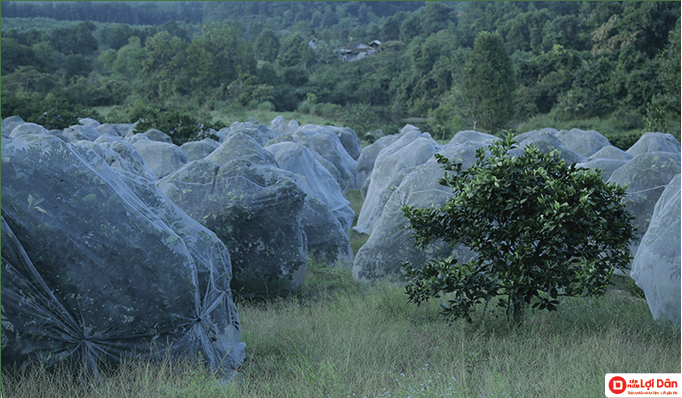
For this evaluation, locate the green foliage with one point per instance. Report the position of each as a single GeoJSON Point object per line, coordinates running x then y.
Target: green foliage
{"type": "Point", "coordinates": [15, 54]}
{"type": "Point", "coordinates": [572, 61]}
{"type": "Point", "coordinates": [626, 120]}
{"type": "Point", "coordinates": [50, 111]}
{"type": "Point", "coordinates": [295, 52]}
{"type": "Point", "coordinates": [663, 112]}
{"type": "Point", "coordinates": [129, 59]}
{"type": "Point", "coordinates": [266, 46]}
{"type": "Point", "coordinates": [76, 65]}
{"type": "Point", "coordinates": [359, 117]}
{"type": "Point", "coordinates": [489, 83]}
{"type": "Point", "coordinates": [78, 39]}
{"type": "Point", "coordinates": [662, 116]}
{"type": "Point", "coordinates": [323, 281]}
{"type": "Point", "coordinates": [625, 283]}
{"type": "Point", "coordinates": [247, 91]}
{"type": "Point", "coordinates": [216, 58]}
{"type": "Point", "coordinates": [623, 141]}
{"type": "Point", "coordinates": [28, 79]}
{"type": "Point", "coordinates": [540, 229]}
{"type": "Point", "coordinates": [181, 126]}
{"type": "Point", "coordinates": [443, 123]}
{"type": "Point", "coordinates": [162, 65]}
{"type": "Point", "coordinates": [266, 106]}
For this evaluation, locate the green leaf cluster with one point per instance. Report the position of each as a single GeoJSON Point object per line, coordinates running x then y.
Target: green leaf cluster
{"type": "Point", "coordinates": [489, 83]}
{"type": "Point", "coordinates": [181, 126]}
{"type": "Point", "coordinates": [540, 228]}
{"type": "Point", "coordinates": [50, 111]}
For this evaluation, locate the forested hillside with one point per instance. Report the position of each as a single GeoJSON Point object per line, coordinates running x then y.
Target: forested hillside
{"type": "Point", "coordinates": [457, 65]}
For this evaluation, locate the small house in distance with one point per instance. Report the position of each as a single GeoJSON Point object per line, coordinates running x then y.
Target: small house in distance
{"type": "Point", "coordinates": [358, 50]}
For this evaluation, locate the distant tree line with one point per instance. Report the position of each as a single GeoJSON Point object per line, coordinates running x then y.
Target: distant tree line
{"type": "Point", "coordinates": [126, 12]}
{"type": "Point", "coordinates": [322, 14]}
{"type": "Point", "coordinates": [565, 60]}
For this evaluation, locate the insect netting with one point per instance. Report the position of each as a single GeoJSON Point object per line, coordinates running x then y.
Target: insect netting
{"type": "Point", "coordinates": [98, 265]}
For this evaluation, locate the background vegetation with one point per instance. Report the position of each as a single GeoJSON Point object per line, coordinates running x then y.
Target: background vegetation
{"type": "Point", "coordinates": [611, 66]}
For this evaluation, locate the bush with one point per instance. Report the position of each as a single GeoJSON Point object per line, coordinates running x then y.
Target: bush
{"type": "Point", "coordinates": [304, 107]}
{"type": "Point", "coordinates": [443, 123]}
{"type": "Point", "coordinates": [329, 111]}
{"type": "Point", "coordinates": [623, 141]}
{"type": "Point", "coordinates": [663, 116]}
{"type": "Point", "coordinates": [360, 117]}
{"type": "Point", "coordinates": [180, 125]}
{"type": "Point", "coordinates": [51, 112]}
{"type": "Point", "coordinates": [266, 106]}
{"type": "Point", "coordinates": [624, 120]}
{"type": "Point", "coordinates": [540, 228]}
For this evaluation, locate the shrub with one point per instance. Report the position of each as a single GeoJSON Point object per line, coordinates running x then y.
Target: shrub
{"type": "Point", "coordinates": [304, 107]}
{"type": "Point", "coordinates": [540, 228]}
{"type": "Point", "coordinates": [49, 111]}
{"type": "Point", "coordinates": [329, 111]}
{"type": "Point", "coordinates": [443, 123]}
{"type": "Point", "coordinates": [360, 117]}
{"type": "Point", "coordinates": [623, 141]}
{"type": "Point", "coordinates": [266, 106]}
{"type": "Point", "coordinates": [624, 120]}
{"type": "Point", "coordinates": [181, 126]}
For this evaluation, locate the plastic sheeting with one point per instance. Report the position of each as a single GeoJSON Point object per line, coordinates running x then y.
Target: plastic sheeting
{"type": "Point", "coordinates": [259, 132]}
{"type": "Point", "coordinates": [27, 128]}
{"type": "Point", "coordinates": [656, 267]}
{"type": "Point", "coordinates": [585, 143]}
{"type": "Point", "coordinates": [546, 140]}
{"type": "Point", "coordinates": [98, 265]}
{"type": "Point", "coordinates": [158, 135]}
{"type": "Point", "coordinates": [390, 243]}
{"type": "Point", "coordinates": [349, 139]}
{"type": "Point", "coordinates": [328, 145]}
{"type": "Point", "coordinates": [315, 179]}
{"type": "Point", "coordinates": [9, 123]}
{"type": "Point", "coordinates": [123, 155]}
{"type": "Point", "coordinates": [655, 142]}
{"type": "Point", "coordinates": [196, 150]}
{"type": "Point", "coordinates": [472, 136]}
{"type": "Point", "coordinates": [645, 176]}
{"type": "Point", "coordinates": [253, 206]}
{"type": "Point", "coordinates": [607, 166]}
{"type": "Point", "coordinates": [611, 152]}
{"type": "Point", "coordinates": [162, 158]}
{"type": "Point", "coordinates": [327, 215]}
{"type": "Point", "coordinates": [393, 163]}
{"type": "Point", "coordinates": [368, 156]}
{"type": "Point", "coordinates": [280, 124]}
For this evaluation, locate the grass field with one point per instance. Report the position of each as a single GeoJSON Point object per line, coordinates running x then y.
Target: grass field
{"type": "Point", "coordinates": [336, 338]}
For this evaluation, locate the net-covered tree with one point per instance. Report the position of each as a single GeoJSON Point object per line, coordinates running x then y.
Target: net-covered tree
{"type": "Point", "coordinates": [540, 228]}
{"type": "Point", "coordinates": [488, 83]}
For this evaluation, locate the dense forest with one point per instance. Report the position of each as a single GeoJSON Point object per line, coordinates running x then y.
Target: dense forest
{"type": "Point", "coordinates": [457, 65]}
